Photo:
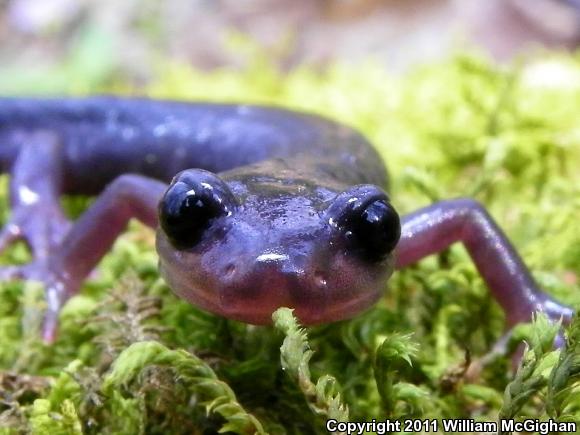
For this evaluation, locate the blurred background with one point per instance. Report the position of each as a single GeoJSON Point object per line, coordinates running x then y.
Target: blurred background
{"type": "Point", "coordinates": [46, 43]}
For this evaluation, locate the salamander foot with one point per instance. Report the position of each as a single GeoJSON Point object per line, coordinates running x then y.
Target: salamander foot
{"type": "Point", "coordinates": [57, 289]}
{"type": "Point", "coordinates": [42, 229]}
{"type": "Point", "coordinates": [35, 272]}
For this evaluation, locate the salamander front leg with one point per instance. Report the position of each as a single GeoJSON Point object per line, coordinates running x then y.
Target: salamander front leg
{"type": "Point", "coordinates": [35, 186]}
{"type": "Point", "coordinates": [92, 235]}
{"type": "Point", "coordinates": [434, 228]}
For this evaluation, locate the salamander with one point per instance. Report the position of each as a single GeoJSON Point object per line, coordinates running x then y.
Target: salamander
{"type": "Point", "coordinates": [254, 208]}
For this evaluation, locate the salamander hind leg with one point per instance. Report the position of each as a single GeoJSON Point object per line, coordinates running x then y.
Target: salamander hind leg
{"type": "Point", "coordinates": [36, 215]}
{"type": "Point", "coordinates": [63, 254]}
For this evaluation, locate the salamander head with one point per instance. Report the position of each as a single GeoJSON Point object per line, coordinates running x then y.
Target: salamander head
{"type": "Point", "coordinates": [242, 248]}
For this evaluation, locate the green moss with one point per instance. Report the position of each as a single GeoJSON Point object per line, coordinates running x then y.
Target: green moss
{"type": "Point", "coordinates": [144, 359]}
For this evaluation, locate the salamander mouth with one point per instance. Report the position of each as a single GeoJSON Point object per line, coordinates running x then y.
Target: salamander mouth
{"type": "Point", "coordinates": [255, 304]}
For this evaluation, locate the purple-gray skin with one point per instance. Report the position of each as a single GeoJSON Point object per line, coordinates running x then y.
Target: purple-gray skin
{"type": "Point", "coordinates": [288, 210]}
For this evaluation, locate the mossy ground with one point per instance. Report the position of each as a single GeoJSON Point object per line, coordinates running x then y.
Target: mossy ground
{"type": "Point", "coordinates": [508, 136]}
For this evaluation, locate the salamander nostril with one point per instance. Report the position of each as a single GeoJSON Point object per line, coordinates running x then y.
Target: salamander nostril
{"type": "Point", "coordinates": [230, 270]}
{"type": "Point", "coordinates": [320, 279]}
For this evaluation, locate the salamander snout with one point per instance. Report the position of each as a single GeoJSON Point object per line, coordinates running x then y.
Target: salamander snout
{"type": "Point", "coordinates": [243, 255]}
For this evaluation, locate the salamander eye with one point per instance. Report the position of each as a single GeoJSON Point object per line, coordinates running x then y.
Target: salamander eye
{"type": "Point", "coordinates": [368, 222]}
{"type": "Point", "coordinates": [193, 200]}
{"type": "Point", "coordinates": [374, 233]}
